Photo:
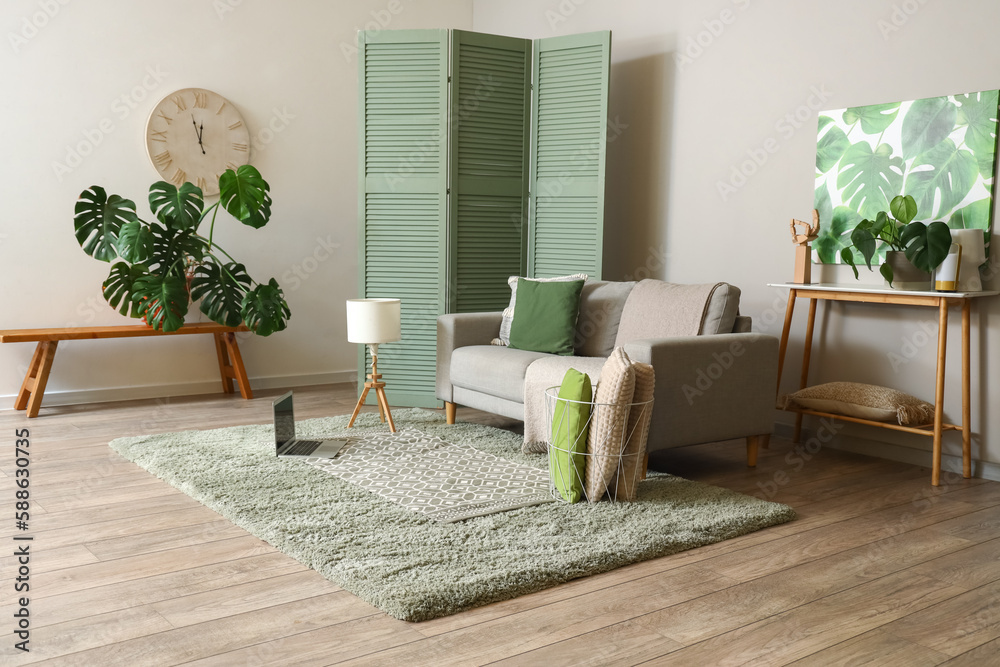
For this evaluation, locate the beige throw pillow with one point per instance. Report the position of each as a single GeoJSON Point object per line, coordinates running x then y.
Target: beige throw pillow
{"type": "Point", "coordinates": [637, 432]}
{"type": "Point", "coordinates": [608, 423]}
{"type": "Point", "coordinates": [865, 401]}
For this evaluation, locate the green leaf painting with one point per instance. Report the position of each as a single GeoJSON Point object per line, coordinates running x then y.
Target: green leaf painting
{"type": "Point", "coordinates": [939, 150]}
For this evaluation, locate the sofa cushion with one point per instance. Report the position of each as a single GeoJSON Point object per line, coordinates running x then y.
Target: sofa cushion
{"type": "Point", "coordinates": [508, 313]}
{"type": "Point", "coordinates": [490, 369]}
{"type": "Point", "coordinates": [546, 316]}
{"type": "Point", "coordinates": [637, 432]}
{"type": "Point", "coordinates": [657, 309]}
{"type": "Point", "coordinates": [612, 402]}
{"type": "Point", "coordinates": [601, 304]}
{"type": "Point", "coordinates": [570, 425]}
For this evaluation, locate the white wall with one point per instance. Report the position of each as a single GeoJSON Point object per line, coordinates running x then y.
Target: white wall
{"type": "Point", "coordinates": [688, 125]}
{"type": "Point", "coordinates": [289, 69]}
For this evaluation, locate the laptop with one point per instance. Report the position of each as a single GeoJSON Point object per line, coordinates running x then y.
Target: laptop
{"type": "Point", "coordinates": [284, 435]}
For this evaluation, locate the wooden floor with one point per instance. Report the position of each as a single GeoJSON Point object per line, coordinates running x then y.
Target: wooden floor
{"type": "Point", "coordinates": [880, 568]}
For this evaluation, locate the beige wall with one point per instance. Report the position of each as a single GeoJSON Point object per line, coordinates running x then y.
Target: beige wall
{"type": "Point", "coordinates": [81, 77]}
{"type": "Point", "coordinates": [752, 88]}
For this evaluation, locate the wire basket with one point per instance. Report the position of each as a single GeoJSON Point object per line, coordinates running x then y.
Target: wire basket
{"type": "Point", "coordinates": [607, 457]}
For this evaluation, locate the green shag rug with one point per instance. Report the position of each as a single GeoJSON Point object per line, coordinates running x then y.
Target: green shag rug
{"type": "Point", "coordinates": [414, 568]}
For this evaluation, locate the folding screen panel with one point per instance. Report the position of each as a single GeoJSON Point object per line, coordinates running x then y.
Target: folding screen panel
{"type": "Point", "coordinates": [569, 124]}
{"type": "Point", "coordinates": [403, 203]}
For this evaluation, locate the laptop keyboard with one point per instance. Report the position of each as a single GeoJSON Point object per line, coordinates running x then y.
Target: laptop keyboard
{"type": "Point", "coordinates": [302, 447]}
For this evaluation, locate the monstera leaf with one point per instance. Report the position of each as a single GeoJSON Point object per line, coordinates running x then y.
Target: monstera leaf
{"type": "Point", "coordinates": [264, 309]}
{"type": "Point", "coordinates": [874, 118]}
{"type": "Point", "coordinates": [978, 113]}
{"type": "Point", "coordinates": [868, 178]}
{"type": "Point", "coordinates": [135, 241]}
{"type": "Point", "coordinates": [162, 302]}
{"type": "Point", "coordinates": [926, 245]}
{"type": "Point", "coordinates": [952, 174]}
{"type": "Point", "coordinates": [99, 219]}
{"type": "Point", "coordinates": [176, 208]}
{"type": "Point", "coordinates": [831, 145]}
{"type": "Point", "coordinates": [974, 216]}
{"type": "Point", "coordinates": [243, 192]}
{"type": "Point", "coordinates": [120, 286]}
{"type": "Point", "coordinates": [259, 218]}
{"type": "Point", "coordinates": [926, 124]}
{"type": "Point", "coordinates": [221, 290]}
{"type": "Point", "coordinates": [172, 248]}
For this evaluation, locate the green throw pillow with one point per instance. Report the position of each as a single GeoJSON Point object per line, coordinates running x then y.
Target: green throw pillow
{"type": "Point", "coordinates": [570, 425]}
{"type": "Point", "coordinates": [545, 319]}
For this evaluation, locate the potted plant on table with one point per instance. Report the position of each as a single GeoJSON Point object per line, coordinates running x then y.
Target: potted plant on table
{"type": "Point", "coordinates": [159, 267]}
{"type": "Point", "coordinates": [912, 249]}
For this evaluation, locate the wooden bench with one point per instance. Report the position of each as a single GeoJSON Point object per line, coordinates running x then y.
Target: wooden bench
{"type": "Point", "coordinates": [30, 397]}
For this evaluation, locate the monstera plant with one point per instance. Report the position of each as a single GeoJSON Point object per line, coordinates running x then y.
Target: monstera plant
{"type": "Point", "coordinates": [159, 267]}
{"type": "Point", "coordinates": [925, 246]}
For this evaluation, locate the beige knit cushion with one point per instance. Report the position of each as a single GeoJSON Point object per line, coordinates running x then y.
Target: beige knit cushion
{"type": "Point", "coordinates": [866, 401]}
{"type": "Point", "coordinates": [608, 422]}
{"type": "Point", "coordinates": [637, 432]}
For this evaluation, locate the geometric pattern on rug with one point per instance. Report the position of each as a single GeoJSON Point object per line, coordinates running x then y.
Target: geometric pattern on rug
{"type": "Point", "coordinates": [437, 479]}
{"type": "Point", "coordinates": [412, 567]}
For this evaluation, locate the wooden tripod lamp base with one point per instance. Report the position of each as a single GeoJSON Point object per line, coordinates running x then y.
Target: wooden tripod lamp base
{"type": "Point", "coordinates": [379, 387]}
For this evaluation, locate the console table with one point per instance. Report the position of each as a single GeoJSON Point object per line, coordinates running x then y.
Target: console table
{"type": "Point", "coordinates": [29, 398]}
{"type": "Point", "coordinates": [876, 294]}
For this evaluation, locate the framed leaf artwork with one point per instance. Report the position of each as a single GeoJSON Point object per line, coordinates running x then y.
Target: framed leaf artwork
{"type": "Point", "coordinates": [939, 150]}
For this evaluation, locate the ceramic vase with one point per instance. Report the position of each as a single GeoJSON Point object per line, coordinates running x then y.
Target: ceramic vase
{"type": "Point", "coordinates": [905, 275]}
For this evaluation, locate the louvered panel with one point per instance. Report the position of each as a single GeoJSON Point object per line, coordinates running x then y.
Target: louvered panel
{"type": "Point", "coordinates": [489, 251]}
{"type": "Point", "coordinates": [402, 203]}
{"type": "Point", "coordinates": [490, 107]}
{"type": "Point", "coordinates": [569, 112]}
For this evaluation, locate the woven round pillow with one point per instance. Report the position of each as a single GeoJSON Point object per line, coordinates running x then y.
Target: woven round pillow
{"type": "Point", "coordinates": [608, 423]}
{"type": "Point", "coordinates": [865, 401]}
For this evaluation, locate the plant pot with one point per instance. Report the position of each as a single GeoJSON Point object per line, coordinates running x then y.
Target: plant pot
{"type": "Point", "coordinates": [905, 275]}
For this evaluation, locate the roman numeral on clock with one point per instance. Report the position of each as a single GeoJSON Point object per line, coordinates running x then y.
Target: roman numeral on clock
{"type": "Point", "coordinates": [163, 159]}
{"type": "Point", "coordinates": [179, 102]}
{"type": "Point", "coordinates": [179, 177]}
{"type": "Point", "coordinates": [165, 117]}
{"type": "Point", "coordinates": [156, 135]}
{"type": "Point", "coordinates": [239, 147]}
{"type": "Point", "coordinates": [200, 100]}
{"type": "Point", "coordinates": [235, 125]}
{"type": "Point", "coordinates": [202, 183]}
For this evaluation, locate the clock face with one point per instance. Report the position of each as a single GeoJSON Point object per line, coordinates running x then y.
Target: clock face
{"type": "Point", "coordinates": [193, 135]}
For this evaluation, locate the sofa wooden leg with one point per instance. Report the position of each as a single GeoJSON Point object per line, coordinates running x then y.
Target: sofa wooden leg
{"type": "Point", "coordinates": [752, 442]}
{"type": "Point", "coordinates": [449, 412]}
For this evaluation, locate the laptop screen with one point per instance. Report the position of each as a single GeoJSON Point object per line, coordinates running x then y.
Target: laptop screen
{"type": "Point", "coordinates": [284, 420]}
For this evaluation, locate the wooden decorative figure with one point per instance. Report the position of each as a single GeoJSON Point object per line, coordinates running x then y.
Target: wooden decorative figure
{"type": "Point", "coordinates": [803, 254]}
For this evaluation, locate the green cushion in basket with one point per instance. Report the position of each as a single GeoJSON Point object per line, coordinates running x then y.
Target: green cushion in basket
{"type": "Point", "coordinates": [545, 319]}
{"type": "Point", "coordinates": [570, 425]}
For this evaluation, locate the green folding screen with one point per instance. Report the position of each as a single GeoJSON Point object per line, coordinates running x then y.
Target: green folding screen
{"type": "Point", "coordinates": [468, 176]}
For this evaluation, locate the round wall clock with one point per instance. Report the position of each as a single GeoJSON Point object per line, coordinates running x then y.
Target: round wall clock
{"type": "Point", "coordinates": [193, 135]}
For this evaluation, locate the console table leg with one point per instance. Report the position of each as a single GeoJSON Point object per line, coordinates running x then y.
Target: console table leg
{"type": "Point", "coordinates": [966, 391]}
{"type": "Point", "coordinates": [806, 357]}
{"type": "Point", "coordinates": [239, 370]}
{"type": "Point", "coordinates": [783, 346]}
{"type": "Point", "coordinates": [939, 390]}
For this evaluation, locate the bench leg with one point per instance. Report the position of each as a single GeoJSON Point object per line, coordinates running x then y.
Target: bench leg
{"type": "Point", "coordinates": [33, 387]}
{"type": "Point", "coordinates": [231, 365]}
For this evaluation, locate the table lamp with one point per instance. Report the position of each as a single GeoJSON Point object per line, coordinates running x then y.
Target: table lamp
{"type": "Point", "coordinates": [370, 322]}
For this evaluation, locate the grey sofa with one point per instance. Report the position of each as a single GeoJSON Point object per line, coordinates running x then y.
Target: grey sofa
{"type": "Point", "coordinates": [716, 385]}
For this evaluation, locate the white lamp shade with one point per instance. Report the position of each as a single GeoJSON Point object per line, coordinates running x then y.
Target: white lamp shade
{"type": "Point", "coordinates": [372, 321]}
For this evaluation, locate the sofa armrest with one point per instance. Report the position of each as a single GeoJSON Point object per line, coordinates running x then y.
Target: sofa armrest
{"type": "Point", "coordinates": [456, 330]}
{"type": "Point", "coordinates": [710, 388]}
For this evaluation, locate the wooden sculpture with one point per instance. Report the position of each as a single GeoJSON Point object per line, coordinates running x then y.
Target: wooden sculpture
{"type": "Point", "coordinates": [803, 258]}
